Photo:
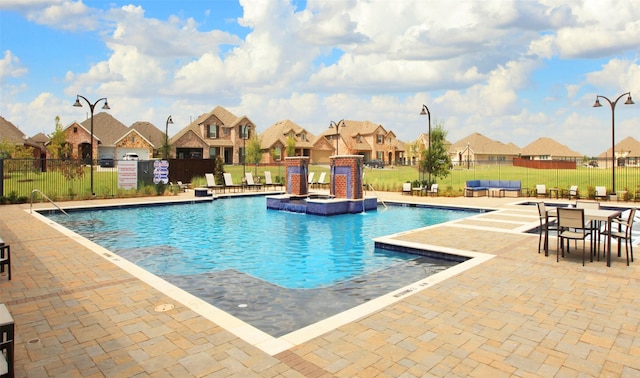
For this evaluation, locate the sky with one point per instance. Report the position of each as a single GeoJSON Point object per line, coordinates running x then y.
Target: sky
{"type": "Point", "coordinates": [512, 70]}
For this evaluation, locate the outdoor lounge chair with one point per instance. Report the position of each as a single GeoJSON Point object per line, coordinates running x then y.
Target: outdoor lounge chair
{"type": "Point", "coordinates": [311, 180]}
{"type": "Point", "coordinates": [406, 188]}
{"type": "Point", "coordinates": [211, 182]}
{"type": "Point", "coordinates": [541, 190]}
{"type": "Point", "coordinates": [228, 182]}
{"type": "Point", "coordinates": [268, 181]}
{"type": "Point", "coordinates": [321, 180]}
{"type": "Point", "coordinates": [248, 176]}
{"type": "Point", "coordinates": [182, 187]}
{"type": "Point", "coordinates": [573, 192]}
{"type": "Point", "coordinates": [547, 223]}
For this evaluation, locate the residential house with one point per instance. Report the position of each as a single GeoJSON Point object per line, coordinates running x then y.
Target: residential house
{"type": "Point", "coordinates": [275, 138]}
{"type": "Point", "coordinates": [11, 134]}
{"type": "Point", "coordinates": [479, 148]}
{"type": "Point", "coordinates": [415, 149]}
{"type": "Point", "coordinates": [627, 154]}
{"type": "Point", "coordinates": [549, 149]}
{"type": "Point", "coordinates": [142, 138]}
{"type": "Point", "coordinates": [217, 133]}
{"type": "Point", "coordinates": [106, 131]}
{"type": "Point", "coordinates": [365, 138]}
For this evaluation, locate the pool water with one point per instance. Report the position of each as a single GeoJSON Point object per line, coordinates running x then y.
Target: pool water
{"type": "Point", "coordinates": [276, 270]}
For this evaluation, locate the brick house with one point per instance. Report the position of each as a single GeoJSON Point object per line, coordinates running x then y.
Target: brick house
{"type": "Point", "coordinates": [217, 133]}
{"type": "Point", "coordinates": [477, 147]}
{"type": "Point", "coordinates": [274, 143]}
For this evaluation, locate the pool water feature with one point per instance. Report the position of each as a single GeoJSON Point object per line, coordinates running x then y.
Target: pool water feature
{"type": "Point", "coordinates": [277, 271]}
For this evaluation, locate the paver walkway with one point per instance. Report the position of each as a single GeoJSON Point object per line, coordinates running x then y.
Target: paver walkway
{"type": "Point", "coordinates": [518, 314]}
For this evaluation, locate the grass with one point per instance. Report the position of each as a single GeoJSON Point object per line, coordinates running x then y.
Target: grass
{"type": "Point", "coordinates": [105, 185]}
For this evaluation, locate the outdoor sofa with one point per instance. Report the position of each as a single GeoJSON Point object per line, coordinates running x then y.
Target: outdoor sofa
{"type": "Point", "coordinates": [502, 188]}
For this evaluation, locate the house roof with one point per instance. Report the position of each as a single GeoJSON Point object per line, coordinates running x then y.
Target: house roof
{"type": "Point", "coordinates": [628, 145]}
{"type": "Point", "coordinates": [483, 145]}
{"type": "Point", "coordinates": [148, 131]}
{"type": "Point", "coordinates": [280, 131]}
{"type": "Point", "coordinates": [548, 147]}
{"type": "Point", "coordinates": [11, 133]}
{"type": "Point", "coordinates": [106, 128]}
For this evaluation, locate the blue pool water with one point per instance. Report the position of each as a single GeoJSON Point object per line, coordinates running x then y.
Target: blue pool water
{"type": "Point", "coordinates": [234, 251]}
{"type": "Point", "coordinates": [287, 249]}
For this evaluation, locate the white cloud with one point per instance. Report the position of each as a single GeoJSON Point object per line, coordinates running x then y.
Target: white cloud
{"type": "Point", "coordinates": [10, 66]}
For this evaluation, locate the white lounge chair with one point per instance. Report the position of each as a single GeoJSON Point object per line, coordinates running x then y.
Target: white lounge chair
{"type": "Point", "coordinates": [601, 192]}
{"type": "Point", "coordinates": [268, 181]}
{"type": "Point", "coordinates": [248, 176]}
{"type": "Point", "coordinates": [433, 191]}
{"type": "Point", "coordinates": [310, 180]}
{"type": "Point", "coordinates": [228, 182]}
{"type": "Point", "coordinates": [541, 190]}
{"type": "Point", "coordinates": [321, 180]}
{"type": "Point", "coordinates": [211, 182]}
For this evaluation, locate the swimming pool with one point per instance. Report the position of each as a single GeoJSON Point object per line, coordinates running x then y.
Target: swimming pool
{"type": "Point", "coordinates": [278, 271]}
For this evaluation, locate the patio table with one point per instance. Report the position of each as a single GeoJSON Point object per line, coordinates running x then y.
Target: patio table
{"type": "Point", "coordinates": [594, 215]}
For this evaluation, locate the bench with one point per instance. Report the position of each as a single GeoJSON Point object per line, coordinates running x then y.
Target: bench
{"type": "Point", "coordinates": [502, 188]}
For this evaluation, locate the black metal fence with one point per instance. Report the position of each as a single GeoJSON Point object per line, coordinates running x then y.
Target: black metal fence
{"type": "Point", "coordinates": [71, 179]}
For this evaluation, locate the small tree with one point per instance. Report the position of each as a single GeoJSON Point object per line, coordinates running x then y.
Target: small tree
{"type": "Point", "coordinates": [218, 169]}
{"type": "Point", "coordinates": [58, 147]}
{"type": "Point", "coordinates": [291, 145]}
{"type": "Point", "coordinates": [436, 159]}
{"type": "Point", "coordinates": [254, 151]}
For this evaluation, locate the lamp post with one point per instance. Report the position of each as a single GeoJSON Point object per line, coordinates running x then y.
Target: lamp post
{"type": "Point", "coordinates": [337, 134]}
{"type": "Point", "coordinates": [245, 131]}
{"type": "Point", "coordinates": [91, 107]}
{"type": "Point", "coordinates": [166, 137]}
{"type": "Point", "coordinates": [426, 111]}
{"type": "Point", "coordinates": [468, 154]}
{"type": "Point", "coordinates": [613, 141]}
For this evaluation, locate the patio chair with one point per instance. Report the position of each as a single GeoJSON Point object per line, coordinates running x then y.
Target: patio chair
{"type": "Point", "coordinates": [5, 259]}
{"type": "Point", "coordinates": [268, 181]}
{"type": "Point", "coordinates": [547, 223]}
{"type": "Point", "coordinates": [433, 191]}
{"type": "Point", "coordinates": [322, 183]}
{"type": "Point", "coordinates": [211, 182]}
{"type": "Point", "coordinates": [571, 226]}
{"type": "Point", "coordinates": [573, 192]}
{"type": "Point", "coordinates": [406, 188]}
{"type": "Point", "coordinates": [601, 193]}
{"type": "Point", "coordinates": [248, 176]}
{"type": "Point", "coordinates": [228, 182]}
{"type": "Point", "coordinates": [541, 190]}
{"type": "Point", "coordinates": [625, 226]}
{"type": "Point", "coordinates": [181, 186]}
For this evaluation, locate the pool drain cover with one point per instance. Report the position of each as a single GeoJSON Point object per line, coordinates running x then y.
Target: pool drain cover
{"type": "Point", "coordinates": [164, 307]}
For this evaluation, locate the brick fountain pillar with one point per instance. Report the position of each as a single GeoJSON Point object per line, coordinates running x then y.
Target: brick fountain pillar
{"type": "Point", "coordinates": [346, 176]}
{"type": "Point", "coordinates": [297, 175]}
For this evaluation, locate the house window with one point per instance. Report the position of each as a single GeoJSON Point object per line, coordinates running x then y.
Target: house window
{"type": "Point", "coordinates": [133, 139]}
{"type": "Point", "coordinates": [244, 132]}
{"type": "Point", "coordinates": [227, 132]}
{"type": "Point", "coordinates": [212, 131]}
{"type": "Point", "coordinates": [212, 152]}
{"type": "Point", "coordinates": [75, 129]}
{"type": "Point", "coordinates": [303, 137]}
{"type": "Point", "coordinates": [380, 139]}
{"type": "Point", "coordinates": [380, 155]}
{"type": "Point", "coordinates": [277, 156]}
{"type": "Point", "coordinates": [359, 138]}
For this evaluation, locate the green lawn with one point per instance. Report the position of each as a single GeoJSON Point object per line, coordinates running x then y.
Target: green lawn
{"type": "Point", "coordinates": [57, 187]}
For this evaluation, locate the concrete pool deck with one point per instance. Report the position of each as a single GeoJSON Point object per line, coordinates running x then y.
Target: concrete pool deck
{"type": "Point", "coordinates": [519, 313]}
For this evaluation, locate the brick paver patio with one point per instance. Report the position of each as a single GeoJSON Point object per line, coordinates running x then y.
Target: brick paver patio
{"type": "Point", "coordinates": [517, 314]}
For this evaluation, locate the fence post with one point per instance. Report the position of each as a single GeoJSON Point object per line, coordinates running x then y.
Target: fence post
{"type": "Point", "coordinates": [1, 177]}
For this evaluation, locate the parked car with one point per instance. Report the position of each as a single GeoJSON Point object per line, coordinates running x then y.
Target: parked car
{"type": "Point", "coordinates": [374, 164]}
{"type": "Point", "coordinates": [130, 156]}
{"type": "Point", "coordinates": [106, 161]}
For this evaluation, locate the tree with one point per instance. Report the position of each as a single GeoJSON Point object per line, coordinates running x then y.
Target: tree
{"type": "Point", "coordinates": [58, 147]}
{"type": "Point", "coordinates": [291, 145]}
{"type": "Point", "coordinates": [436, 159]}
{"type": "Point", "coordinates": [254, 151]}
